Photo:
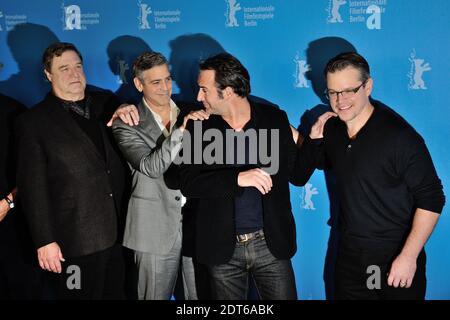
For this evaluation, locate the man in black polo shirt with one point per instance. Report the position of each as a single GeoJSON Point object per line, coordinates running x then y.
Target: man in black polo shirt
{"type": "Point", "coordinates": [390, 194]}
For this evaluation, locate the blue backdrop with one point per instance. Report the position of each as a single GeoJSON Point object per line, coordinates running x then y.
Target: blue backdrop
{"type": "Point", "coordinates": [284, 45]}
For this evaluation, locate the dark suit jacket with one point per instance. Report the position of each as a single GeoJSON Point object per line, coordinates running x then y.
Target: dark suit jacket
{"type": "Point", "coordinates": [215, 188]}
{"type": "Point", "coordinates": [70, 193]}
{"type": "Point", "coordinates": [14, 236]}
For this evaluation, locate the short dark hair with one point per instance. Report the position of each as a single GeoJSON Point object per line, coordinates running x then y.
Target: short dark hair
{"type": "Point", "coordinates": [229, 72]}
{"type": "Point", "coordinates": [146, 61]}
{"type": "Point", "coordinates": [349, 59]}
{"type": "Point", "coordinates": [56, 50]}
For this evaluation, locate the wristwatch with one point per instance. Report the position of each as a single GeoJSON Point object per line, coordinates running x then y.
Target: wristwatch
{"type": "Point", "coordinates": [10, 202]}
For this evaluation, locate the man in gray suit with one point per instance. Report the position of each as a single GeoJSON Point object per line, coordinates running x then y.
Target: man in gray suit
{"type": "Point", "coordinates": [154, 221]}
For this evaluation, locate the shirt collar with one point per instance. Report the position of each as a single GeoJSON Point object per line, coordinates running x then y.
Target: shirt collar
{"type": "Point", "coordinates": [174, 111]}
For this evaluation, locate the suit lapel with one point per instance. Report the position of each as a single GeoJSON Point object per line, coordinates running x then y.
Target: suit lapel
{"type": "Point", "coordinates": [67, 124]}
{"type": "Point", "coordinates": [148, 122]}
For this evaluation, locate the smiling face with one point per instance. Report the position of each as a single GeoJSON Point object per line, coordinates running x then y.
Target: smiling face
{"type": "Point", "coordinates": [353, 108]}
{"type": "Point", "coordinates": [208, 92]}
{"type": "Point", "coordinates": [156, 85]}
{"type": "Point", "coordinates": [67, 76]}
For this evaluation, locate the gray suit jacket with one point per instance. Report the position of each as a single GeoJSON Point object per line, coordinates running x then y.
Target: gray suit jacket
{"type": "Point", "coordinates": [154, 210]}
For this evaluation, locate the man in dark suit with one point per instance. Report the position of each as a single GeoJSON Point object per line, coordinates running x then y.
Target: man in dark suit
{"type": "Point", "coordinates": [244, 223]}
{"type": "Point", "coordinates": [19, 276]}
{"type": "Point", "coordinates": [72, 181]}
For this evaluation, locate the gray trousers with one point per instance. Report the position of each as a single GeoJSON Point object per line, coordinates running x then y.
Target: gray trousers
{"type": "Point", "coordinates": [157, 274]}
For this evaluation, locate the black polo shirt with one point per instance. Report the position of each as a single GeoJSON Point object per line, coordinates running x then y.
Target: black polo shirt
{"type": "Point", "coordinates": [383, 175]}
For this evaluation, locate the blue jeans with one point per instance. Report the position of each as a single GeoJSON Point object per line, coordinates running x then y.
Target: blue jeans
{"type": "Point", "coordinates": [274, 278]}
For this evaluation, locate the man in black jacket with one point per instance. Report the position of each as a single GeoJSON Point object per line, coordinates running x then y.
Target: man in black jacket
{"type": "Point", "coordinates": [244, 223]}
{"type": "Point", "coordinates": [19, 277]}
{"type": "Point", "coordinates": [72, 181]}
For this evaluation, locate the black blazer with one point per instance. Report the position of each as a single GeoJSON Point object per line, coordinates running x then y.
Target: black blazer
{"type": "Point", "coordinates": [14, 238]}
{"type": "Point", "coordinates": [70, 192]}
{"type": "Point", "coordinates": [215, 187]}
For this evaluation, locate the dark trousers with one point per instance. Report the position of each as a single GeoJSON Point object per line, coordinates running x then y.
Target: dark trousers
{"type": "Point", "coordinates": [97, 276]}
{"type": "Point", "coordinates": [19, 280]}
{"type": "Point", "coordinates": [20, 275]}
{"type": "Point", "coordinates": [274, 278]}
{"type": "Point", "coordinates": [358, 264]}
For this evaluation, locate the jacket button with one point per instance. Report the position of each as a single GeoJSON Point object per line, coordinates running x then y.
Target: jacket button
{"type": "Point", "coordinates": [108, 171]}
{"type": "Point", "coordinates": [177, 198]}
{"type": "Point", "coordinates": [111, 195]}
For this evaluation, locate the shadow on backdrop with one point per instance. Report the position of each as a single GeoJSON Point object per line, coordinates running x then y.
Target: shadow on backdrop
{"type": "Point", "coordinates": [122, 52]}
{"type": "Point", "coordinates": [186, 53]}
{"type": "Point", "coordinates": [27, 43]}
{"type": "Point", "coordinates": [318, 53]}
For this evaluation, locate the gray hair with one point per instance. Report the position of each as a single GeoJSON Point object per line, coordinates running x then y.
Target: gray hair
{"type": "Point", "coordinates": [146, 61]}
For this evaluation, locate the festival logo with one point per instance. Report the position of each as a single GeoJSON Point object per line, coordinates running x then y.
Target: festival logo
{"type": "Point", "coordinates": [301, 67]}
{"type": "Point", "coordinates": [232, 7]}
{"type": "Point", "coordinates": [364, 12]}
{"type": "Point", "coordinates": [333, 11]}
{"type": "Point", "coordinates": [144, 11]}
{"type": "Point", "coordinates": [308, 191]}
{"type": "Point", "coordinates": [415, 75]}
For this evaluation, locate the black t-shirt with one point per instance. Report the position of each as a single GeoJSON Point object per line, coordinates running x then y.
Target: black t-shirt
{"type": "Point", "coordinates": [248, 208]}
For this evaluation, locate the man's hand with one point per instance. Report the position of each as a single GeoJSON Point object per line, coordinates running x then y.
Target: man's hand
{"type": "Point", "coordinates": [50, 257]}
{"type": "Point", "coordinates": [402, 272]}
{"type": "Point", "coordinates": [317, 128]}
{"type": "Point", "coordinates": [194, 115]}
{"type": "Point", "coordinates": [257, 178]}
{"type": "Point", "coordinates": [128, 113]}
{"type": "Point", "coordinates": [4, 208]}
{"type": "Point", "coordinates": [405, 265]}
